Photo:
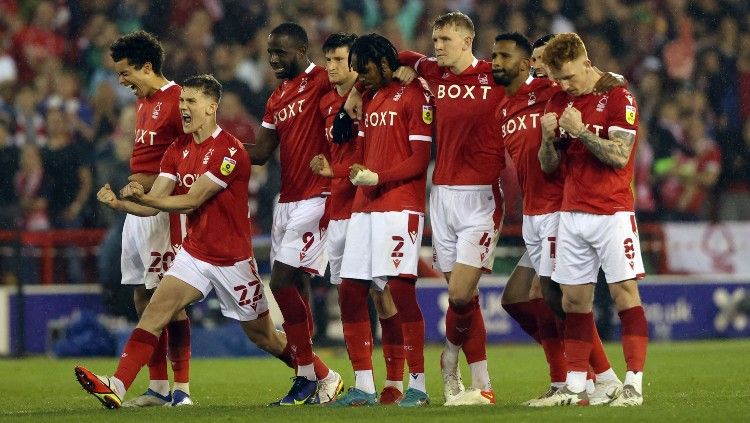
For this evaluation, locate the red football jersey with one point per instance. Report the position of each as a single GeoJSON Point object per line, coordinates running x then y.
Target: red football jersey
{"type": "Point", "coordinates": [521, 131]}
{"type": "Point", "coordinates": [393, 118]}
{"type": "Point", "coordinates": [157, 124]}
{"type": "Point", "coordinates": [219, 231]}
{"type": "Point", "coordinates": [340, 155]}
{"type": "Point", "coordinates": [469, 149]}
{"type": "Point", "coordinates": [292, 111]}
{"type": "Point", "coordinates": [590, 185]}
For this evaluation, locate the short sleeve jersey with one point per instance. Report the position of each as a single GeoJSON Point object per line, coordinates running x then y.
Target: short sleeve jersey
{"type": "Point", "coordinates": [219, 231]}
{"type": "Point", "coordinates": [342, 191]}
{"type": "Point", "coordinates": [292, 111]}
{"type": "Point", "coordinates": [469, 149]}
{"type": "Point", "coordinates": [157, 124]}
{"type": "Point", "coordinates": [519, 120]}
{"type": "Point", "coordinates": [393, 118]}
{"type": "Point", "coordinates": [590, 185]}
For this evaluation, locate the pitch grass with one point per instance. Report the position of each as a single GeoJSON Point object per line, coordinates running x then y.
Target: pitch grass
{"type": "Point", "coordinates": [686, 381]}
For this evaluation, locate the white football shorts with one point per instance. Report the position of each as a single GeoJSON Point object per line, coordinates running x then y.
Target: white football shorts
{"type": "Point", "coordinates": [335, 242]}
{"type": "Point", "coordinates": [238, 287]}
{"type": "Point", "coordinates": [382, 244]}
{"type": "Point", "coordinates": [466, 223]}
{"type": "Point", "coordinates": [586, 241]}
{"type": "Point", "coordinates": [539, 234]}
{"type": "Point", "coordinates": [146, 250]}
{"type": "Point", "coordinates": [298, 235]}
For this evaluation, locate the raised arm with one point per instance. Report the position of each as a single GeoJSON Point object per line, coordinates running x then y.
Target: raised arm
{"type": "Point", "coordinates": [161, 187]}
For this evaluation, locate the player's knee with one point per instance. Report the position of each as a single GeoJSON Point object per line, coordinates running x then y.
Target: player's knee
{"type": "Point", "coordinates": [575, 304]}
{"type": "Point", "coordinates": [625, 295]}
{"type": "Point", "coordinates": [459, 295]}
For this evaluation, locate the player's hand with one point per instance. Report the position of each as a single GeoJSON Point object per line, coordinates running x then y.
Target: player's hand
{"type": "Point", "coordinates": [571, 122]}
{"type": "Point", "coordinates": [363, 177]}
{"type": "Point", "coordinates": [106, 196]}
{"type": "Point", "coordinates": [405, 74]}
{"type": "Point", "coordinates": [343, 129]}
{"type": "Point", "coordinates": [133, 191]}
{"type": "Point", "coordinates": [608, 81]}
{"type": "Point", "coordinates": [320, 166]}
{"type": "Point", "coordinates": [549, 125]}
{"type": "Point", "coordinates": [353, 105]}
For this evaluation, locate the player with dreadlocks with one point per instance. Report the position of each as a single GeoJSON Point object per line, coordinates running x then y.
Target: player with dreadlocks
{"type": "Point", "coordinates": [385, 230]}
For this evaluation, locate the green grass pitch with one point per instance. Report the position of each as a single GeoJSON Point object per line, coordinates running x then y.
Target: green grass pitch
{"type": "Point", "coordinates": [684, 381]}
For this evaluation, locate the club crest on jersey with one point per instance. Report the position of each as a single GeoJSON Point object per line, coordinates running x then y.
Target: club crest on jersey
{"type": "Point", "coordinates": [630, 114]}
{"type": "Point", "coordinates": [602, 104]}
{"type": "Point", "coordinates": [227, 166]}
{"type": "Point", "coordinates": [302, 85]}
{"type": "Point", "coordinates": [399, 93]}
{"type": "Point", "coordinates": [532, 98]}
{"type": "Point", "coordinates": [208, 155]}
{"type": "Point", "coordinates": [446, 75]}
{"type": "Point", "coordinates": [482, 77]}
{"type": "Point", "coordinates": [427, 114]}
{"type": "Point", "coordinates": [157, 109]}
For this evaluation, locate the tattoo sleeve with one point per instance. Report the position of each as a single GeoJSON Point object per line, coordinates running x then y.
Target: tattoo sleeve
{"type": "Point", "coordinates": [549, 157]}
{"type": "Point", "coordinates": [613, 152]}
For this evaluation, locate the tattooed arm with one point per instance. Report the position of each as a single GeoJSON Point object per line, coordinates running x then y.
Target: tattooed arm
{"type": "Point", "coordinates": [614, 151]}
{"type": "Point", "coordinates": [549, 157]}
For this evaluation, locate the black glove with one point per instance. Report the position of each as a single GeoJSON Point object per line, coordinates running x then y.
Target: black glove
{"type": "Point", "coordinates": [344, 129]}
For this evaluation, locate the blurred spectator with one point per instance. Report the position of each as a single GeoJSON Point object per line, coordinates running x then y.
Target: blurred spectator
{"type": "Point", "coordinates": [66, 98]}
{"type": "Point", "coordinates": [113, 167]}
{"type": "Point", "coordinates": [9, 164]}
{"type": "Point", "coordinates": [233, 117]}
{"type": "Point", "coordinates": [29, 188]}
{"type": "Point", "coordinates": [106, 114]}
{"type": "Point", "coordinates": [691, 177]}
{"type": "Point", "coordinates": [735, 202]}
{"type": "Point", "coordinates": [68, 183]}
{"type": "Point", "coordinates": [37, 41]}
{"type": "Point", "coordinates": [29, 122]}
{"type": "Point", "coordinates": [224, 63]}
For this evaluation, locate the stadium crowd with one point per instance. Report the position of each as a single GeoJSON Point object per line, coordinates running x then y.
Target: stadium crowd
{"type": "Point", "coordinates": [65, 122]}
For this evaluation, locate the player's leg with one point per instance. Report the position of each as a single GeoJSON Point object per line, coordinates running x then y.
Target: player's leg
{"type": "Point", "coordinates": [392, 338]}
{"type": "Point", "coordinates": [444, 252]}
{"type": "Point", "coordinates": [179, 352]}
{"type": "Point", "coordinates": [144, 243]}
{"type": "Point", "coordinates": [478, 215]}
{"type": "Point", "coordinates": [576, 268]}
{"type": "Point", "coordinates": [173, 295]}
{"type": "Point", "coordinates": [622, 264]}
{"type": "Point", "coordinates": [396, 239]}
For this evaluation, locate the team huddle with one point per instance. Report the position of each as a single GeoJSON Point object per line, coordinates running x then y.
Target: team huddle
{"type": "Point", "coordinates": [355, 140]}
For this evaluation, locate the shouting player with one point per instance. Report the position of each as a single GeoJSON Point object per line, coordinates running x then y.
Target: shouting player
{"type": "Point", "coordinates": [385, 230]}
{"type": "Point", "coordinates": [343, 155]}
{"type": "Point", "coordinates": [293, 123]}
{"type": "Point", "coordinates": [591, 138]}
{"type": "Point", "coordinates": [208, 181]}
{"type": "Point", "coordinates": [518, 116]}
{"type": "Point", "coordinates": [148, 248]}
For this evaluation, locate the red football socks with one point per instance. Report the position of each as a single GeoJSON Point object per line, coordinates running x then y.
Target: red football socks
{"type": "Point", "coordinates": [525, 314]}
{"type": "Point", "coordinates": [355, 318]}
{"type": "Point", "coordinates": [157, 364]}
{"type": "Point", "coordinates": [179, 349]}
{"type": "Point", "coordinates": [405, 297]}
{"type": "Point", "coordinates": [634, 337]}
{"type": "Point", "coordinates": [579, 331]}
{"type": "Point", "coordinates": [393, 347]}
{"type": "Point", "coordinates": [295, 323]}
{"type": "Point", "coordinates": [138, 350]}
{"type": "Point", "coordinates": [475, 344]}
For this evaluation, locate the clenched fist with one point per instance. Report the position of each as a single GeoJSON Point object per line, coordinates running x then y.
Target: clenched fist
{"type": "Point", "coordinates": [106, 196]}
{"type": "Point", "coordinates": [549, 125]}
{"type": "Point", "coordinates": [133, 191]}
{"type": "Point", "coordinates": [571, 122]}
{"type": "Point", "coordinates": [320, 166]}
